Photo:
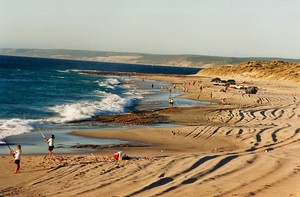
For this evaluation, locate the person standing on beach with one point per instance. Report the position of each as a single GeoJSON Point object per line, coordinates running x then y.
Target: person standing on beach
{"type": "Point", "coordinates": [17, 155]}
{"type": "Point", "coordinates": [171, 102]}
{"type": "Point", "coordinates": [50, 142]}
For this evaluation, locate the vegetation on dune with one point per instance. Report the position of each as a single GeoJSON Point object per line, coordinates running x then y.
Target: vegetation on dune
{"type": "Point", "coordinates": [277, 70]}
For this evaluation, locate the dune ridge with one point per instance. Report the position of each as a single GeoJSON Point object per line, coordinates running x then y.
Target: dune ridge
{"type": "Point", "coordinates": [276, 70]}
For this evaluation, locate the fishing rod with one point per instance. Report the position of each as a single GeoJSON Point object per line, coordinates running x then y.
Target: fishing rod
{"type": "Point", "coordinates": [41, 132]}
{"type": "Point", "coordinates": [6, 142]}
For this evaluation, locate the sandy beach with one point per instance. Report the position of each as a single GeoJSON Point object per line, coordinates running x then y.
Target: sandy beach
{"type": "Point", "coordinates": [246, 145]}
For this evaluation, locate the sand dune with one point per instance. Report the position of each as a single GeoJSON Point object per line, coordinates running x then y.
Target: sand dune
{"type": "Point", "coordinates": [278, 70]}
{"type": "Point", "coordinates": [241, 148]}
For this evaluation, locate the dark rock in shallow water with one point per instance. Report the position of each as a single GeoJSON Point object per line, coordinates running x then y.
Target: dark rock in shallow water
{"type": "Point", "coordinates": [136, 118]}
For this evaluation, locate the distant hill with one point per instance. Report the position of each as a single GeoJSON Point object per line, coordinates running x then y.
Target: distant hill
{"type": "Point", "coordinates": [276, 70]}
{"type": "Point", "coordinates": [199, 61]}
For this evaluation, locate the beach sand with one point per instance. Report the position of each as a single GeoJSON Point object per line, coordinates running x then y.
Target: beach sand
{"type": "Point", "coordinates": [240, 147]}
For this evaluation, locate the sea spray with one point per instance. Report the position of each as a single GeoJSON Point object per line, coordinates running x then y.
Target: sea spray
{"type": "Point", "coordinates": [18, 126]}
{"type": "Point", "coordinates": [109, 83]}
{"type": "Point", "coordinates": [111, 103]}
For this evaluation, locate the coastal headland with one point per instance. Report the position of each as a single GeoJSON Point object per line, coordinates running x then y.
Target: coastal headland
{"type": "Point", "coordinates": [240, 145]}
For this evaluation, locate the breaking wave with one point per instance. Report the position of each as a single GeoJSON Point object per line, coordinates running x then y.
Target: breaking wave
{"type": "Point", "coordinates": [18, 126]}
{"type": "Point", "coordinates": [109, 104]}
{"type": "Point", "coordinates": [109, 83]}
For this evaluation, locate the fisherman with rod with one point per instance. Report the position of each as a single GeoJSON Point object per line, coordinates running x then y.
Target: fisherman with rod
{"type": "Point", "coordinates": [50, 142]}
{"type": "Point", "coordinates": [16, 154]}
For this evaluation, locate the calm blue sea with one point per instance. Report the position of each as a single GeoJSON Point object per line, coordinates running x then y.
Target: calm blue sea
{"type": "Point", "coordinates": [50, 93]}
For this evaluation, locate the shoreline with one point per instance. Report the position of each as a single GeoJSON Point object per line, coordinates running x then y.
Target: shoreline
{"type": "Point", "coordinates": [236, 148]}
{"type": "Point", "coordinates": [123, 120]}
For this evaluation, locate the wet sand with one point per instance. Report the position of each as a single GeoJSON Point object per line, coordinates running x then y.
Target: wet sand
{"type": "Point", "coordinates": [249, 145]}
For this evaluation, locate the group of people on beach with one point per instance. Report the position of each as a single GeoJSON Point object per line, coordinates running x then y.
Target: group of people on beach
{"type": "Point", "coordinates": [17, 153]}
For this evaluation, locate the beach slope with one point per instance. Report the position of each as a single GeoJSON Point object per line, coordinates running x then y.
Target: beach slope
{"type": "Point", "coordinates": [248, 145]}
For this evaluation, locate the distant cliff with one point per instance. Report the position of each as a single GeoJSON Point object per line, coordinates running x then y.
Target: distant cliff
{"type": "Point", "coordinates": [199, 61]}
{"type": "Point", "coordinates": [277, 70]}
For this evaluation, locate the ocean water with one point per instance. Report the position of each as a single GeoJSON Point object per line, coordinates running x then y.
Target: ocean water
{"type": "Point", "coordinates": [49, 94]}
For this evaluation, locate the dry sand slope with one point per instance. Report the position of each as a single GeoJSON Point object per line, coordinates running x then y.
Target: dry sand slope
{"type": "Point", "coordinates": [259, 157]}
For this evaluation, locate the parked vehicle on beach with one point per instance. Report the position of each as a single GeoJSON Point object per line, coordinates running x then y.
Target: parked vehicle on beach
{"type": "Point", "coordinates": [215, 80]}
{"type": "Point", "coordinates": [231, 82]}
{"type": "Point", "coordinates": [238, 86]}
{"type": "Point", "coordinates": [218, 81]}
{"type": "Point", "coordinates": [251, 90]}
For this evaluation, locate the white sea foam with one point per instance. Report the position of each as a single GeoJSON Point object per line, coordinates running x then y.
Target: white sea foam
{"type": "Point", "coordinates": [70, 70]}
{"type": "Point", "coordinates": [133, 93]}
{"type": "Point", "coordinates": [64, 71]}
{"type": "Point", "coordinates": [57, 77]}
{"type": "Point", "coordinates": [113, 81]}
{"type": "Point", "coordinates": [111, 103]}
{"type": "Point", "coordinates": [17, 126]}
{"type": "Point", "coordinates": [109, 83]}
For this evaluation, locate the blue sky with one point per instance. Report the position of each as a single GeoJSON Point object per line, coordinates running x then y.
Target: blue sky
{"type": "Point", "coordinates": [241, 28]}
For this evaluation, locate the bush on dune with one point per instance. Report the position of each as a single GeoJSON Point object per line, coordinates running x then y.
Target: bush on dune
{"type": "Point", "coordinates": [277, 70]}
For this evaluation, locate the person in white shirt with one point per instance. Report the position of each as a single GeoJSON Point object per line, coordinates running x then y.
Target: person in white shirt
{"type": "Point", "coordinates": [17, 155]}
{"type": "Point", "coordinates": [171, 102]}
{"type": "Point", "coordinates": [50, 142]}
